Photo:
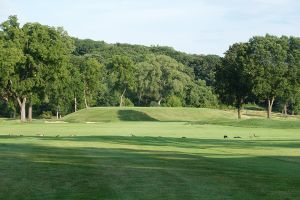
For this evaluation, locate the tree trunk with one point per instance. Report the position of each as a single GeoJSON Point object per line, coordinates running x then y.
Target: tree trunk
{"type": "Point", "coordinates": [121, 98]}
{"type": "Point", "coordinates": [285, 109]}
{"type": "Point", "coordinates": [159, 101]}
{"type": "Point", "coordinates": [22, 105]}
{"type": "Point", "coordinates": [57, 112]}
{"type": "Point", "coordinates": [239, 107]}
{"type": "Point", "coordinates": [85, 101]}
{"type": "Point", "coordinates": [270, 105]}
{"type": "Point", "coordinates": [30, 112]}
{"type": "Point", "coordinates": [140, 98]}
{"type": "Point", "coordinates": [75, 104]}
{"type": "Point", "coordinates": [239, 113]}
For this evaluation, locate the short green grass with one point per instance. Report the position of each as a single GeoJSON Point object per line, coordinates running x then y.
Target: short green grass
{"type": "Point", "coordinates": [114, 114]}
{"type": "Point", "coordinates": [150, 153]}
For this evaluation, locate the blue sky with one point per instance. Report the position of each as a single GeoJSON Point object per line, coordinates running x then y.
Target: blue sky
{"type": "Point", "coordinates": [193, 26]}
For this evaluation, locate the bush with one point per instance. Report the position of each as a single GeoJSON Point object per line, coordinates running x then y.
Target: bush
{"type": "Point", "coordinates": [46, 115]}
{"type": "Point", "coordinates": [253, 106]}
{"type": "Point", "coordinates": [128, 103]}
{"type": "Point", "coordinates": [225, 107]}
{"type": "Point", "coordinates": [199, 95]}
{"type": "Point", "coordinates": [154, 104]}
{"type": "Point", "coordinates": [173, 101]}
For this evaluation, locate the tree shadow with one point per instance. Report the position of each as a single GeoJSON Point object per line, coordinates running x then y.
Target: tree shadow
{"type": "Point", "coordinates": [180, 142]}
{"type": "Point", "coordinates": [250, 123]}
{"type": "Point", "coordinates": [133, 115]}
{"type": "Point", "coordinates": [177, 142]}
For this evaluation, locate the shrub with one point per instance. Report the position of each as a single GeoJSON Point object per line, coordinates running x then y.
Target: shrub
{"type": "Point", "coordinates": [154, 104]}
{"type": "Point", "coordinates": [200, 95]}
{"type": "Point", "coordinates": [253, 106]}
{"type": "Point", "coordinates": [173, 101]}
{"type": "Point", "coordinates": [128, 103]}
{"type": "Point", "coordinates": [46, 115]}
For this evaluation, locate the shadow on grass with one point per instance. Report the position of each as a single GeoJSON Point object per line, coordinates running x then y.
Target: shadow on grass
{"type": "Point", "coordinates": [31, 171]}
{"type": "Point", "coordinates": [133, 115]}
{"type": "Point", "coordinates": [181, 142]}
{"type": "Point", "coordinates": [251, 123]}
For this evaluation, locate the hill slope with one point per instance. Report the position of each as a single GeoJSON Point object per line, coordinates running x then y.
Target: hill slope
{"type": "Point", "coordinates": [194, 116]}
{"type": "Point", "coordinates": [110, 114]}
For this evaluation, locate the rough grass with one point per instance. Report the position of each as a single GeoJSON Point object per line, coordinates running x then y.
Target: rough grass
{"type": "Point", "coordinates": [158, 157]}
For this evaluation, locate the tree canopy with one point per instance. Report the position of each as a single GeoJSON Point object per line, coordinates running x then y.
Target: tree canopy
{"type": "Point", "coordinates": [45, 70]}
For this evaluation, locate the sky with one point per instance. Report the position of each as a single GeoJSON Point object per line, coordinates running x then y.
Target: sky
{"type": "Point", "coordinates": [192, 26]}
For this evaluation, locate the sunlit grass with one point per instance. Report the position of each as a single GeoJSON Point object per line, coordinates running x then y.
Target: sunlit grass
{"type": "Point", "coordinates": [160, 158]}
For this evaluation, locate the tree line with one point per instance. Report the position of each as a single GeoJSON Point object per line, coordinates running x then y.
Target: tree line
{"type": "Point", "coordinates": [264, 69]}
{"type": "Point", "coordinates": [46, 72]}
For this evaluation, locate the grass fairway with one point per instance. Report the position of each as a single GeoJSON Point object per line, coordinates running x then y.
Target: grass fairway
{"type": "Point", "coordinates": [151, 153]}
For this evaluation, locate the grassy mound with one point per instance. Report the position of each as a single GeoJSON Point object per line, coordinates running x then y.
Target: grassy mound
{"type": "Point", "coordinates": [194, 116]}
{"type": "Point", "coordinates": [112, 114]}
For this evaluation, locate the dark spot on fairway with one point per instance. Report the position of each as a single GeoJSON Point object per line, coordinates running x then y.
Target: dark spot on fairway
{"type": "Point", "coordinates": [133, 115]}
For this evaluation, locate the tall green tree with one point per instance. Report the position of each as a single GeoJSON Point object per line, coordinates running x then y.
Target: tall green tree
{"type": "Point", "coordinates": [148, 77]}
{"type": "Point", "coordinates": [233, 83]}
{"type": "Point", "coordinates": [292, 89]}
{"type": "Point", "coordinates": [173, 79]}
{"type": "Point", "coordinates": [121, 72]}
{"type": "Point", "coordinates": [43, 51]}
{"type": "Point", "coordinates": [10, 55]}
{"type": "Point", "coordinates": [268, 67]}
{"type": "Point", "coordinates": [205, 67]}
{"type": "Point", "coordinates": [13, 64]}
{"type": "Point", "coordinates": [91, 73]}
{"type": "Point", "coordinates": [59, 94]}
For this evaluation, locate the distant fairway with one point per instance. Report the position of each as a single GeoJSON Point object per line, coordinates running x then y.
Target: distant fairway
{"type": "Point", "coordinates": [151, 153]}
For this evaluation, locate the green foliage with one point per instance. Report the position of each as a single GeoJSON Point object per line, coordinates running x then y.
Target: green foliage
{"type": "Point", "coordinates": [42, 66]}
{"type": "Point", "coordinates": [199, 95]}
{"type": "Point", "coordinates": [233, 82]}
{"type": "Point", "coordinates": [46, 115]}
{"type": "Point", "coordinates": [89, 75]}
{"type": "Point", "coordinates": [268, 66]}
{"type": "Point", "coordinates": [148, 77]}
{"type": "Point", "coordinates": [161, 76]}
{"type": "Point", "coordinates": [128, 103]}
{"type": "Point", "coordinates": [291, 95]}
{"type": "Point", "coordinates": [121, 73]}
{"type": "Point", "coordinates": [39, 55]}
{"type": "Point", "coordinates": [154, 104]}
{"type": "Point", "coordinates": [205, 67]}
{"type": "Point", "coordinates": [253, 106]}
{"type": "Point", "coordinates": [173, 101]}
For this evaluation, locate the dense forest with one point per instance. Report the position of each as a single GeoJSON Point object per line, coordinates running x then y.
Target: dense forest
{"type": "Point", "coordinates": [44, 72]}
